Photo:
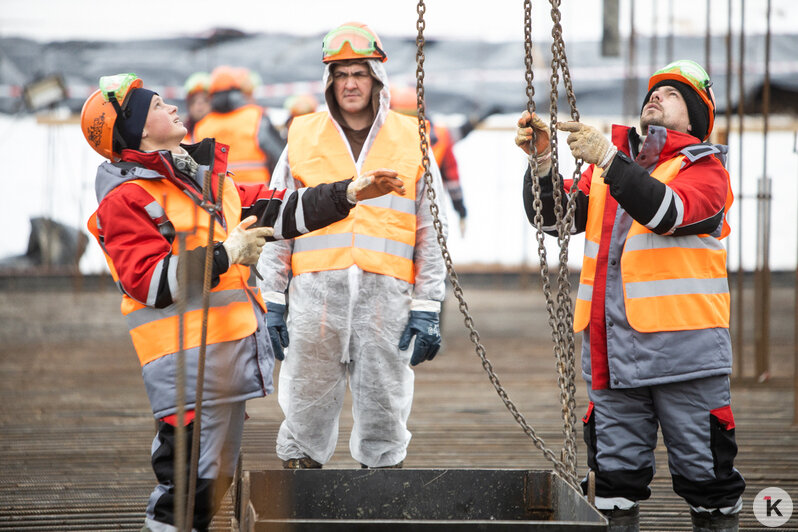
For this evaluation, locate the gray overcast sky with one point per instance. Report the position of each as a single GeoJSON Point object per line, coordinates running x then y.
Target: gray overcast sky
{"type": "Point", "coordinates": [52, 20]}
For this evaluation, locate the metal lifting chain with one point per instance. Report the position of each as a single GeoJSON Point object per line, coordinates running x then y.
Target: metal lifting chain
{"type": "Point", "coordinates": [558, 465]}
{"type": "Point", "coordinates": [560, 314]}
{"type": "Point", "coordinates": [213, 209]}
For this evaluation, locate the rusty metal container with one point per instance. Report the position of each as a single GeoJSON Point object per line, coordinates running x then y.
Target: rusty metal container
{"type": "Point", "coordinates": [410, 500]}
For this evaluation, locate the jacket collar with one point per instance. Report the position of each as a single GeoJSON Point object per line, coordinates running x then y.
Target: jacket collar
{"type": "Point", "coordinates": [209, 154]}
{"type": "Point", "coordinates": [660, 144]}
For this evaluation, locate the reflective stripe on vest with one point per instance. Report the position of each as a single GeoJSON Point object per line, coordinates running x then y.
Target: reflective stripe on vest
{"type": "Point", "coordinates": [595, 212]}
{"type": "Point", "coordinates": [670, 283]}
{"type": "Point", "coordinates": [379, 234]}
{"type": "Point", "coordinates": [155, 332]}
{"type": "Point", "coordinates": [239, 130]}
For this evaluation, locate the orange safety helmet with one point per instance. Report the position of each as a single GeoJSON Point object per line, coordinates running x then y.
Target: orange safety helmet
{"type": "Point", "coordinates": [301, 104]}
{"type": "Point", "coordinates": [404, 100]}
{"type": "Point", "coordinates": [352, 40]}
{"type": "Point", "coordinates": [225, 78]}
{"type": "Point", "coordinates": [99, 113]}
{"type": "Point", "coordinates": [694, 76]}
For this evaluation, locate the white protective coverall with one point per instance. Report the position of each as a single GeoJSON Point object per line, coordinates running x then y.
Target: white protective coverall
{"type": "Point", "coordinates": [348, 323]}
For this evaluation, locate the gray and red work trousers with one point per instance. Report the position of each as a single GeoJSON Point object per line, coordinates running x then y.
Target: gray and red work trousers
{"type": "Point", "coordinates": [620, 429]}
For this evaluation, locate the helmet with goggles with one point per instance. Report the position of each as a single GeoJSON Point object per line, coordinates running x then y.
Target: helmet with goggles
{"type": "Point", "coordinates": [197, 82]}
{"type": "Point", "coordinates": [301, 104]}
{"type": "Point", "coordinates": [353, 40]}
{"type": "Point", "coordinates": [695, 77]}
{"type": "Point", "coordinates": [103, 109]}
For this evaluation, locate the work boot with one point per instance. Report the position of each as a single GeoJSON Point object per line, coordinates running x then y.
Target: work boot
{"type": "Point", "coordinates": [395, 466]}
{"type": "Point", "coordinates": [623, 520]}
{"type": "Point", "coordinates": [305, 462]}
{"type": "Point", "coordinates": [714, 521]}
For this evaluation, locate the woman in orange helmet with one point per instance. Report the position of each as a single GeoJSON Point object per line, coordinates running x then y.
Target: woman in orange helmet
{"type": "Point", "coordinates": [150, 192]}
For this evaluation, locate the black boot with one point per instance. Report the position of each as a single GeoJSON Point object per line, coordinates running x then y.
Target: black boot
{"type": "Point", "coordinates": [714, 521]}
{"type": "Point", "coordinates": [623, 520]}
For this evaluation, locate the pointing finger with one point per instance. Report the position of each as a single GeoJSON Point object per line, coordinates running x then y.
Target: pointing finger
{"type": "Point", "coordinates": [569, 126]}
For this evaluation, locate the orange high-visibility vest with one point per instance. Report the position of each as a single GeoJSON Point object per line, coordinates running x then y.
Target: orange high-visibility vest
{"type": "Point", "coordinates": [443, 143]}
{"type": "Point", "coordinates": [155, 332]}
{"type": "Point", "coordinates": [239, 130]}
{"type": "Point", "coordinates": [670, 283]}
{"type": "Point", "coordinates": [379, 235]}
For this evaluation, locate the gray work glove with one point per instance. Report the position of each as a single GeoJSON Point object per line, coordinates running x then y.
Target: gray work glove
{"type": "Point", "coordinates": [278, 330]}
{"type": "Point", "coordinates": [588, 143]}
{"type": "Point", "coordinates": [243, 245]}
{"type": "Point", "coordinates": [523, 139]}
{"type": "Point", "coordinates": [425, 326]}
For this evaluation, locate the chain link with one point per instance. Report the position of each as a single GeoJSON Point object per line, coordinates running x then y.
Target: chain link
{"type": "Point", "coordinates": [560, 467]}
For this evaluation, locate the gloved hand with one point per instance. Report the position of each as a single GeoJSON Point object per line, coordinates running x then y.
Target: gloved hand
{"type": "Point", "coordinates": [462, 226]}
{"type": "Point", "coordinates": [523, 138]}
{"type": "Point", "coordinates": [374, 184]}
{"type": "Point", "coordinates": [425, 325]}
{"type": "Point", "coordinates": [243, 246]}
{"type": "Point", "coordinates": [278, 330]}
{"type": "Point", "coordinates": [587, 143]}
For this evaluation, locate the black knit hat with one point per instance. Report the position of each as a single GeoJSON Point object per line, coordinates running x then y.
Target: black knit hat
{"type": "Point", "coordinates": [697, 110]}
{"type": "Point", "coordinates": [131, 125]}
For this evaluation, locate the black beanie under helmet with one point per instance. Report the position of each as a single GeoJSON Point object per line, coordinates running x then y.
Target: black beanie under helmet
{"type": "Point", "coordinates": [697, 110]}
{"type": "Point", "coordinates": [131, 125]}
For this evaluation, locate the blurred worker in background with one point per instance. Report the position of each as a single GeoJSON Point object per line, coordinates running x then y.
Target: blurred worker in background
{"type": "Point", "coordinates": [250, 81]}
{"type": "Point", "coordinates": [298, 105]}
{"type": "Point", "coordinates": [244, 126]}
{"type": "Point", "coordinates": [198, 100]}
{"type": "Point", "coordinates": [362, 288]}
{"type": "Point", "coordinates": [442, 140]}
{"type": "Point", "coordinates": [150, 192]}
{"type": "Point", "coordinates": [653, 299]}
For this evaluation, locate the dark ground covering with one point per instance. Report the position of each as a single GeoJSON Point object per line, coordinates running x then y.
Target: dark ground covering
{"type": "Point", "coordinates": [75, 425]}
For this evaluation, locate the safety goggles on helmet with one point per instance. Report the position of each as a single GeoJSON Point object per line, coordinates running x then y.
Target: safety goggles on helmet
{"type": "Point", "coordinates": [360, 42]}
{"type": "Point", "coordinates": [116, 87]}
{"type": "Point", "coordinates": [695, 76]}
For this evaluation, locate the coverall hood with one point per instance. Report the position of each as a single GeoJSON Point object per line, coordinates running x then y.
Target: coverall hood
{"type": "Point", "coordinates": [380, 92]}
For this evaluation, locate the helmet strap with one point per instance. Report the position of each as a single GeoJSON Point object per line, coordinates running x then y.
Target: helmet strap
{"type": "Point", "coordinates": [119, 142]}
{"type": "Point", "coordinates": [379, 51]}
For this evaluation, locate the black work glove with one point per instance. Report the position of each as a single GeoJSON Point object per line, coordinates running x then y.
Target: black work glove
{"type": "Point", "coordinates": [278, 330]}
{"type": "Point", "coordinates": [460, 207]}
{"type": "Point", "coordinates": [425, 326]}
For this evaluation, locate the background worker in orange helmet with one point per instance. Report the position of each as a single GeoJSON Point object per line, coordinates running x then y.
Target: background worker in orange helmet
{"type": "Point", "coordinates": [150, 192]}
{"type": "Point", "coordinates": [442, 140]}
{"type": "Point", "coordinates": [653, 298]}
{"type": "Point", "coordinates": [250, 81]}
{"type": "Point", "coordinates": [362, 289]}
{"type": "Point", "coordinates": [198, 100]}
{"type": "Point", "coordinates": [244, 126]}
{"type": "Point", "coordinates": [298, 105]}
